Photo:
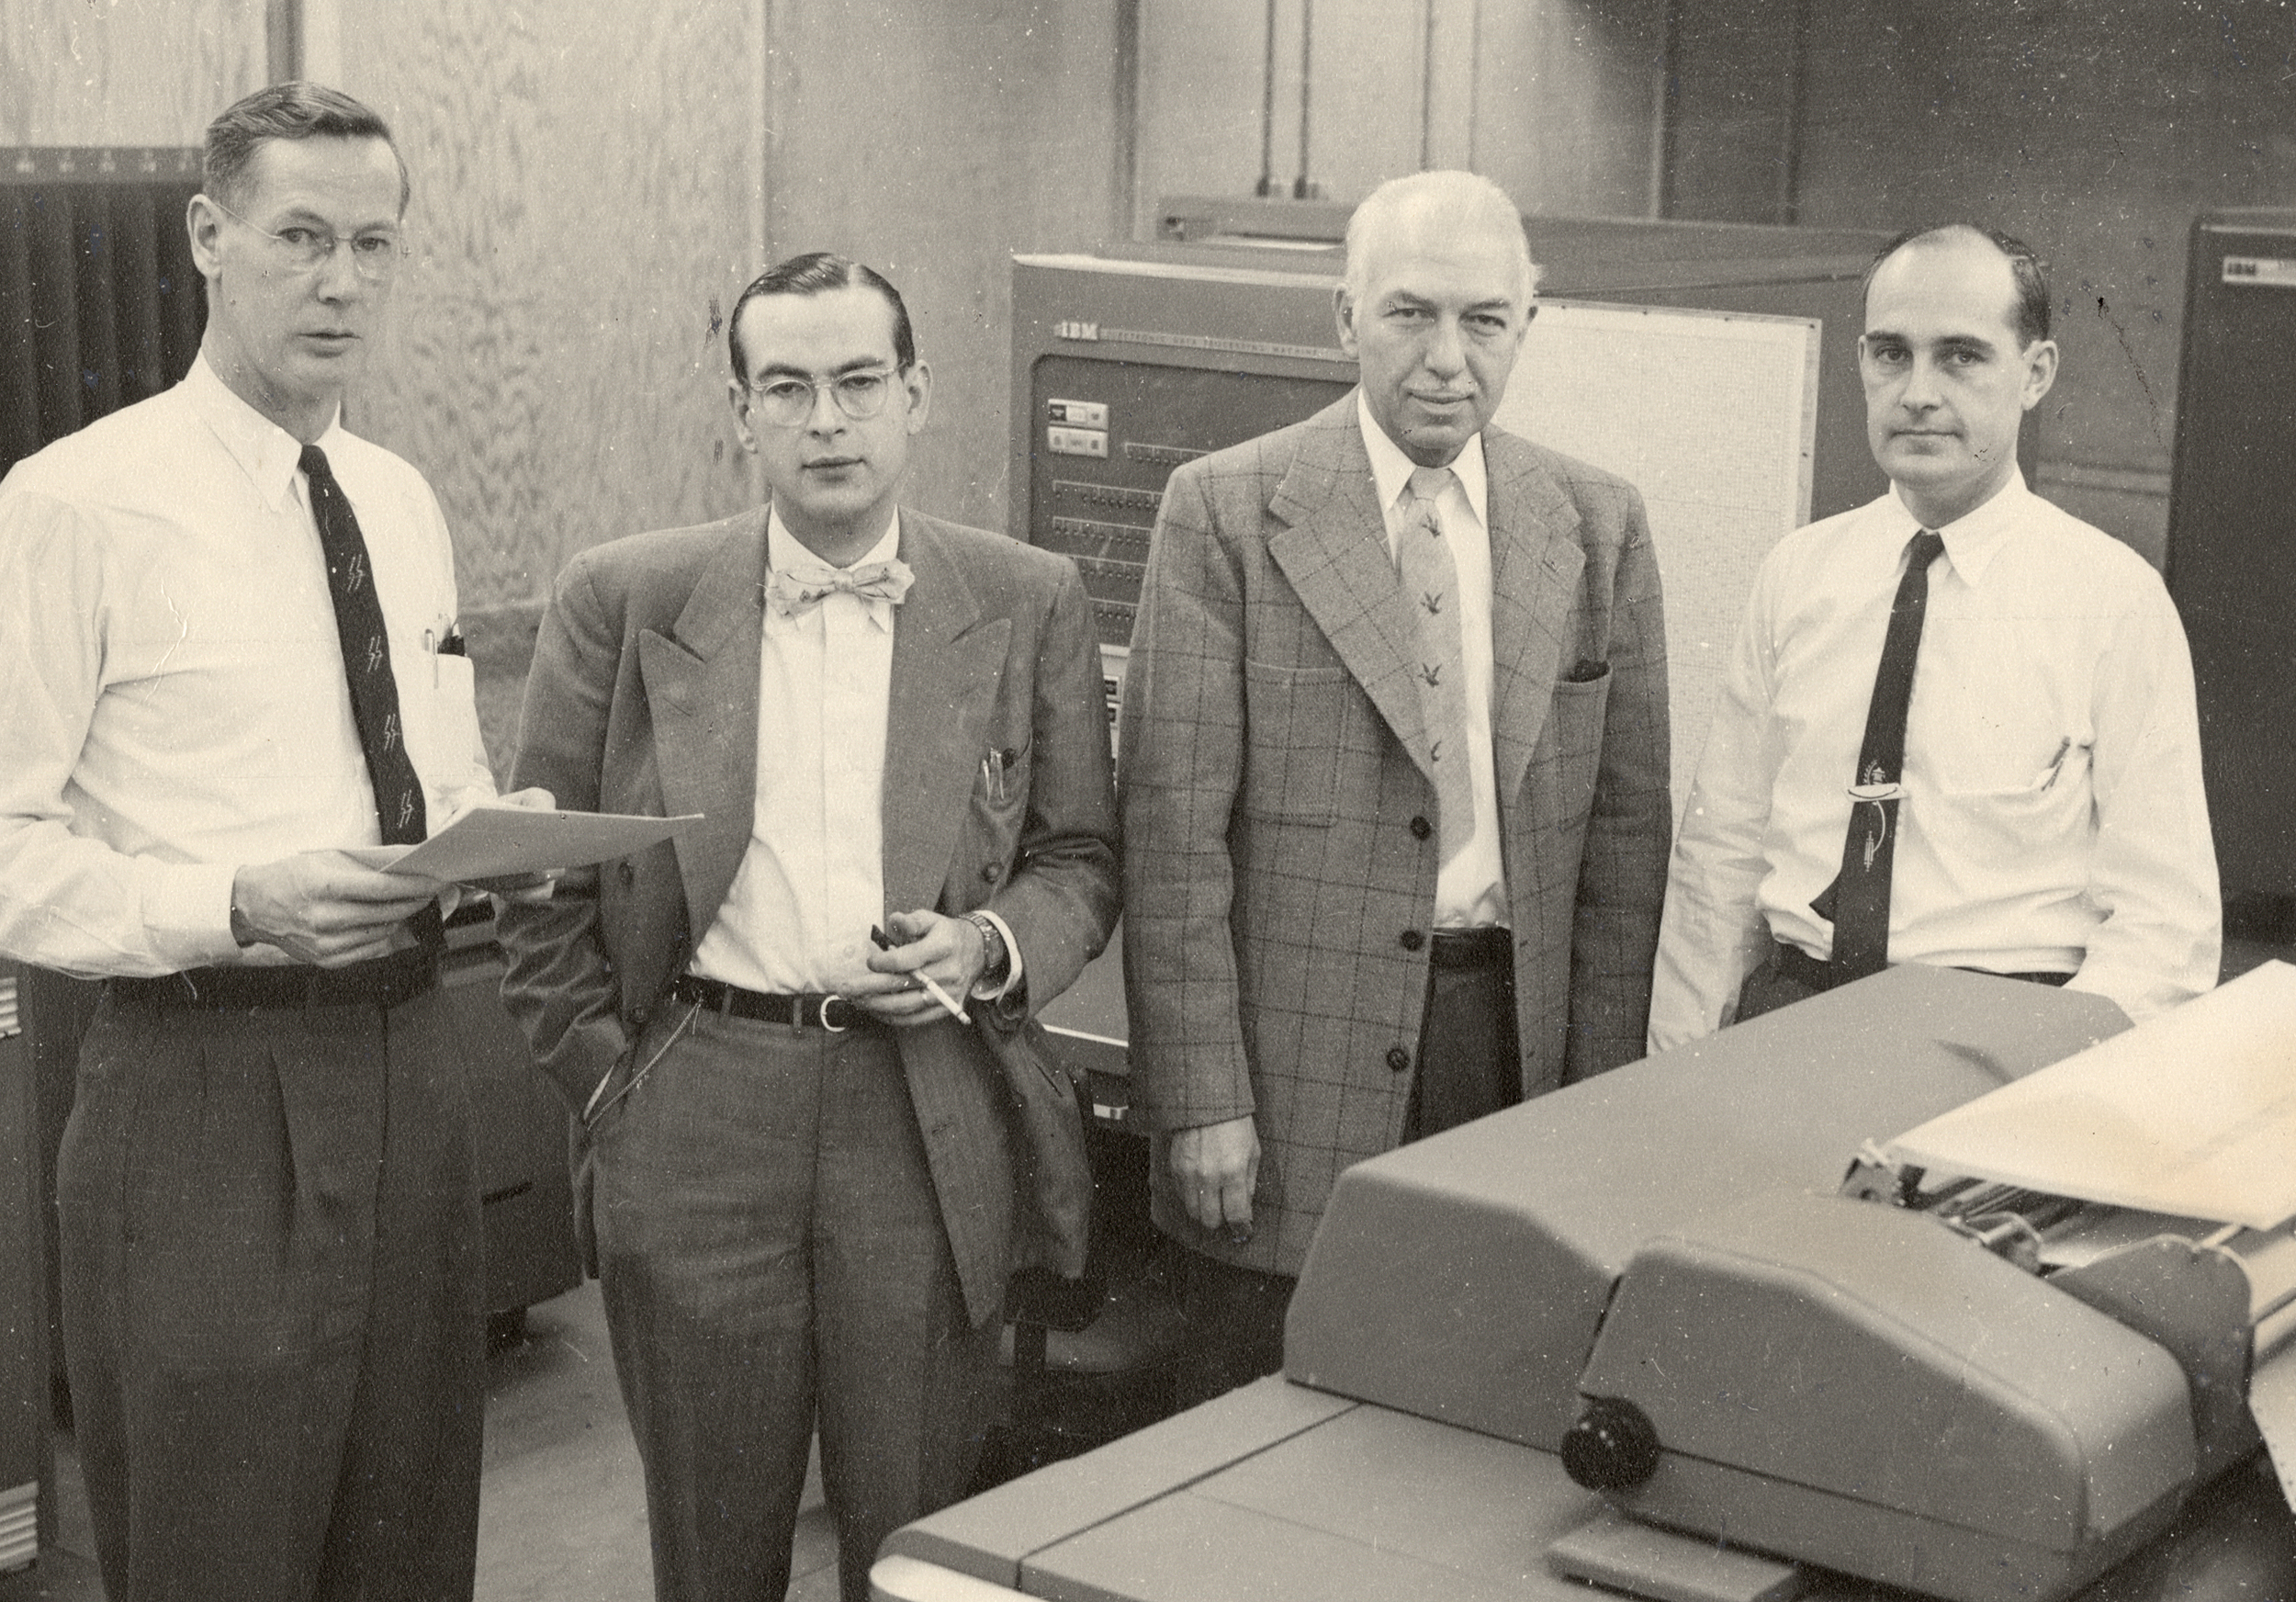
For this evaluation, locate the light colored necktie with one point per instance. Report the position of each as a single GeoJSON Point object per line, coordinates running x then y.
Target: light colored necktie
{"type": "Point", "coordinates": [794, 592]}
{"type": "Point", "coordinates": [1430, 580]}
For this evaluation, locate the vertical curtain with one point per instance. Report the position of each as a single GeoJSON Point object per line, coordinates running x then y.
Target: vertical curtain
{"type": "Point", "coordinates": [100, 305]}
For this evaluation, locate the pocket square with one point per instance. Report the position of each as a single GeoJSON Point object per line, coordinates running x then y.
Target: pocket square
{"type": "Point", "coordinates": [1587, 671]}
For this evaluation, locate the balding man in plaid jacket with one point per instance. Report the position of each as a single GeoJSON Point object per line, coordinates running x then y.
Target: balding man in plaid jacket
{"type": "Point", "coordinates": [1335, 943]}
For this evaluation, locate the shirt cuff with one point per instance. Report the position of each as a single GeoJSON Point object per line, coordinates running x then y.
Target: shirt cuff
{"type": "Point", "coordinates": [187, 914]}
{"type": "Point", "coordinates": [1012, 954]}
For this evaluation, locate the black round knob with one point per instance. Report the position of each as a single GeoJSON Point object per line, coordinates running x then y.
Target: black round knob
{"type": "Point", "coordinates": [1612, 1446]}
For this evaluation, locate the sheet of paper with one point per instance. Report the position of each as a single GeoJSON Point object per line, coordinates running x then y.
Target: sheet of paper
{"type": "Point", "coordinates": [2192, 1112]}
{"type": "Point", "coordinates": [488, 842]}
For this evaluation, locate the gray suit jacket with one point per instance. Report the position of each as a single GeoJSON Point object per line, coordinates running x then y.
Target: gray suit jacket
{"type": "Point", "coordinates": [1275, 765]}
{"type": "Point", "coordinates": [644, 698]}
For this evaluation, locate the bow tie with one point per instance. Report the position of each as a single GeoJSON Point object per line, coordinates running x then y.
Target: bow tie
{"type": "Point", "coordinates": [794, 592]}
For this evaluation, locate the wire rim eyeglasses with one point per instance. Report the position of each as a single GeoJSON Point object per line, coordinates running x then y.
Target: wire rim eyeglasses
{"type": "Point", "coordinates": [374, 256]}
{"type": "Point", "coordinates": [787, 399]}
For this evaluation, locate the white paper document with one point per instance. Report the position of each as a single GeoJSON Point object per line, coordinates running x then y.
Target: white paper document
{"type": "Point", "coordinates": [2192, 1112]}
{"type": "Point", "coordinates": [487, 842]}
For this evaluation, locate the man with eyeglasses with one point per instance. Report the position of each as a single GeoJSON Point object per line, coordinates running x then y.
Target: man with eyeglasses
{"type": "Point", "coordinates": [794, 1035]}
{"type": "Point", "coordinates": [227, 629]}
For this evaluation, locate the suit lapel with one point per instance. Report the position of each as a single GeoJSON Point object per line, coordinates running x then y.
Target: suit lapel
{"type": "Point", "coordinates": [948, 663]}
{"type": "Point", "coordinates": [1536, 560]}
{"type": "Point", "coordinates": [1334, 551]}
{"type": "Point", "coordinates": [702, 688]}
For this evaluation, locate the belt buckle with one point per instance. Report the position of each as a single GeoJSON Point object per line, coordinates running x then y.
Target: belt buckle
{"type": "Point", "coordinates": [821, 1013]}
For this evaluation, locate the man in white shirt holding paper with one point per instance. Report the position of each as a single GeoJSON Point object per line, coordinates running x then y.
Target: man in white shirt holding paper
{"type": "Point", "coordinates": [227, 628]}
{"type": "Point", "coordinates": [1959, 727]}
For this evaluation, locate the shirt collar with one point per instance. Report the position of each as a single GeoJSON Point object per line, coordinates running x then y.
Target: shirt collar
{"type": "Point", "coordinates": [785, 553]}
{"type": "Point", "coordinates": [1974, 539]}
{"type": "Point", "coordinates": [267, 454]}
{"type": "Point", "coordinates": [1391, 469]}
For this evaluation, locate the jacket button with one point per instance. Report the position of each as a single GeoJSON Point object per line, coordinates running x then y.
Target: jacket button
{"type": "Point", "coordinates": [1411, 940]}
{"type": "Point", "coordinates": [1421, 829]}
{"type": "Point", "coordinates": [639, 1014]}
{"type": "Point", "coordinates": [992, 871]}
{"type": "Point", "coordinates": [627, 873]}
{"type": "Point", "coordinates": [1398, 1059]}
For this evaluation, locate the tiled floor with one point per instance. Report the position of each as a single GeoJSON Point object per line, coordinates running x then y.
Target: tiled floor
{"type": "Point", "coordinates": [562, 1507]}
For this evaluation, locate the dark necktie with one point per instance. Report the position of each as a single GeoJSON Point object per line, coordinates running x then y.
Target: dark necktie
{"type": "Point", "coordinates": [399, 804]}
{"type": "Point", "coordinates": [1858, 900]}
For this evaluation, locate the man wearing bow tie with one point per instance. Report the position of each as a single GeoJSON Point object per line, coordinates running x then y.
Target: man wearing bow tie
{"type": "Point", "coordinates": [807, 1196]}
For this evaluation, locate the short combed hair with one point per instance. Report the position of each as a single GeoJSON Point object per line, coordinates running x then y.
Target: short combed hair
{"type": "Point", "coordinates": [817, 273]}
{"type": "Point", "coordinates": [1454, 200]}
{"type": "Point", "coordinates": [2029, 314]}
{"type": "Point", "coordinates": [290, 112]}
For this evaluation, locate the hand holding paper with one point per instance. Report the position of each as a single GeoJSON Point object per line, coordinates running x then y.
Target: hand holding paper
{"type": "Point", "coordinates": [506, 837]}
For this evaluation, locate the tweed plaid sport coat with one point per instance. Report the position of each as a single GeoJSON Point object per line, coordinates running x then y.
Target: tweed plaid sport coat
{"type": "Point", "coordinates": [1274, 761]}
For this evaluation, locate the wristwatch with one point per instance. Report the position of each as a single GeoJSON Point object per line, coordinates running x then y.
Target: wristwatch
{"type": "Point", "coordinates": [997, 965]}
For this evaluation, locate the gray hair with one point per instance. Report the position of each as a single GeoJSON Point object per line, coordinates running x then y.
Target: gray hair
{"type": "Point", "coordinates": [1457, 202]}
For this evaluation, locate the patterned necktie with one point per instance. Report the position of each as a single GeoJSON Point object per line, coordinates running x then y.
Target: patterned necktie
{"type": "Point", "coordinates": [792, 592]}
{"type": "Point", "coordinates": [1858, 900]}
{"type": "Point", "coordinates": [1430, 579]}
{"type": "Point", "coordinates": [399, 804]}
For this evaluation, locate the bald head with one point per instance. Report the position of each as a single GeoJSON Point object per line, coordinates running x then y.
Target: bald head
{"type": "Point", "coordinates": [1432, 206]}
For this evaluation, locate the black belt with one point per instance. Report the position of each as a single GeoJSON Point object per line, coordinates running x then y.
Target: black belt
{"type": "Point", "coordinates": [380, 982]}
{"type": "Point", "coordinates": [1488, 946]}
{"type": "Point", "coordinates": [1805, 969]}
{"type": "Point", "coordinates": [808, 1010]}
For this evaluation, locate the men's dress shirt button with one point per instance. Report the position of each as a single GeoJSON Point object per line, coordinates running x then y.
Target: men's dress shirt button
{"type": "Point", "coordinates": [1411, 940]}
{"type": "Point", "coordinates": [1421, 829]}
{"type": "Point", "coordinates": [627, 873]}
{"type": "Point", "coordinates": [992, 871]}
{"type": "Point", "coordinates": [1398, 1059]}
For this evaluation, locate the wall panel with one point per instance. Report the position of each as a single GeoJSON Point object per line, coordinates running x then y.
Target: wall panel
{"type": "Point", "coordinates": [935, 142]}
{"type": "Point", "coordinates": [124, 71]}
{"type": "Point", "coordinates": [586, 178]}
{"type": "Point", "coordinates": [2095, 131]}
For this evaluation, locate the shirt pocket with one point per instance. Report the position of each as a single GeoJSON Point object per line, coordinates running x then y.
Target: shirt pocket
{"type": "Point", "coordinates": [1297, 721]}
{"type": "Point", "coordinates": [2010, 817]}
{"type": "Point", "coordinates": [438, 710]}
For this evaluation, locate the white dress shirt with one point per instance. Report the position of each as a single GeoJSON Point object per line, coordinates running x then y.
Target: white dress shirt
{"type": "Point", "coordinates": [175, 705]}
{"type": "Point", "coordinates": [811, 884]}
{"type": "Point", "coordinates": [2053, 819]}
{"type": "Point", "coordinates": [1471, 888]}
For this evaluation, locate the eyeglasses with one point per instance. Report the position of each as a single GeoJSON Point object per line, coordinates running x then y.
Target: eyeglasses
{"type": "Point", "coordinates": [374, 256]}
{"type": "Point", "coordinates": [788, 401]}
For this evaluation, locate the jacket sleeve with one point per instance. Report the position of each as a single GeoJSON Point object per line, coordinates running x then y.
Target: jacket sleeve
{"type": "Point", "coordinates": [558, 983]}
{"type": "Point", "coordinates": [1622, 874]}
{"type": "Point", "coordinates": [1061, 900]}
{"type": "Point", "coordinates": [1181, 762]}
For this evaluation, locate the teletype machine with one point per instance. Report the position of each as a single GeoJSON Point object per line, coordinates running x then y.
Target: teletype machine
{"type": "Point", "coordinates": [1938, 1286]}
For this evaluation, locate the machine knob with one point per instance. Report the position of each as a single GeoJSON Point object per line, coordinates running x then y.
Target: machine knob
{"type": "Point", "coordinates": [1613, 1446]}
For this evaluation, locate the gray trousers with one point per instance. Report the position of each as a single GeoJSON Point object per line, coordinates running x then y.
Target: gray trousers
{"type": "Point", "coordinates": [772, 1252]}
{"type": "Point", "coordinates": [272, 1303]}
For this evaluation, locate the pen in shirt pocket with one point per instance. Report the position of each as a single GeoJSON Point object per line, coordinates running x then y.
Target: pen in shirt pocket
{"type": "Point", "coordinates": [444, 639]}
{"type": "Point", "coordinates": [2046, 779]}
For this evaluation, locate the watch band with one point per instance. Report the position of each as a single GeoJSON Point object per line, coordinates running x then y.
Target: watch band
{"type": "Point", "coordinates": [997, 968]}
